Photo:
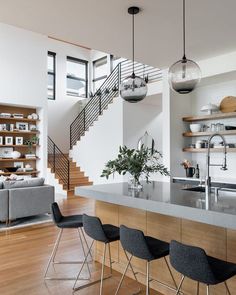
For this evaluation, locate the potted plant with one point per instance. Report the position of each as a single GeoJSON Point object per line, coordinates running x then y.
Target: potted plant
{"type": "Point", "coordinates": [33, 140]}
{"type": "Point", "coordinates": [136, 162]}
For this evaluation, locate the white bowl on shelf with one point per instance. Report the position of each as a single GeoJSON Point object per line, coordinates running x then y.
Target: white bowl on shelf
{"type": "Point", "coordinates": [195, 127]}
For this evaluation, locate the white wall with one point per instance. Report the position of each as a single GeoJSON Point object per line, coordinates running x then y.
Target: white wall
{"type": "Point", "coordinates": [23, 60]}
{"type": "Point", "coordinates": [218, 81]}
{"type": "Point", "coordinates": [64, 109]}
{"type": "Point", "coordinates": [180, 106]}
{"type": "Point", "coordinates": [101, 143]}
{"type": "Point", "coordinates": [214, 93]}
{"type": "Point", "coordinates": [142, 117]}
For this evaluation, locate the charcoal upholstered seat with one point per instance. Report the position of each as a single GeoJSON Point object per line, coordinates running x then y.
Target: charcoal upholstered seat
{"type": "Point", "coordinates": [104, 233]}
{"type": "Point", "coordinates": [72, 221]}
{"type": "Point", "coordinates": [66, 222]}
{"type": "Point", "coordinates": [144, 247]}
{"type": "Point", "coordinates": [194, 263]}
{"type": "Point", "coordinates": [141, 246]}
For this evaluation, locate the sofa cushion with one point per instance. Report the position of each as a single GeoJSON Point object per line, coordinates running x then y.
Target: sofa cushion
{"type": "Point", "coordinates": [31, 182]}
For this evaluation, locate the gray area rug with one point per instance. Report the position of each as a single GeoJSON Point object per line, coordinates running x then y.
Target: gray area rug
{"type": "Point", "coordinates": [26, 221]}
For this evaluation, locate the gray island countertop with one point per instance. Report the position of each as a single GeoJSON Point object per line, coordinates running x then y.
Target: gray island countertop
{"type": "Point", "coordinates": [168, 199]}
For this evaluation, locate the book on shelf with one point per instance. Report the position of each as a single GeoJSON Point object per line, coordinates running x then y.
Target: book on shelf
{"type": "Point", "coordinates": [30, 156]}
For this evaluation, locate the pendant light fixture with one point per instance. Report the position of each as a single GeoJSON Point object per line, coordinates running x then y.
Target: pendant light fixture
{"type": "Point", "coordinates": [185, 74]}
{"type": "Point", "coordinates": [133, 88]}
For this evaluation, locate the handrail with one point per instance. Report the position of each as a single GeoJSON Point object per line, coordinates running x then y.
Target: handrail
{"type": "Point", "coordinates": [106, 93]}
{"type": "Point", "coordinates": [59, 163]}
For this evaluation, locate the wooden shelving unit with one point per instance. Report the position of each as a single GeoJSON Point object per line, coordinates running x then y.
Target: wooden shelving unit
{"type": "Point", "coordinates": [3, 132]}
{"type": "Point", "coordinates": [214, 150]}
{"type": "Point", "coordinates": [20, 173]}
{"type": "Point", "coordinates": [18, 160]}
{"type": "Point", "coordinates": [18, 145]}
{"type": "Point", "coordinates": [210, 117]}
{"type": "Point", "coordinates": [26, 135]}
{"type": "Point", "coordinates": [195, 134]}
{"type": "Point", "coordinates": [19, 120]}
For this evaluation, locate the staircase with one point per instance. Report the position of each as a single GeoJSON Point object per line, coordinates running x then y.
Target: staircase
{"type": "Point", "coordinates": [105, 95]}
{"type": "Point", "coordinates": [77, 178]}
{"type": "Point", "coordinates": [66, 171]}
{"type": "Point", "coordinates": [68, 174]}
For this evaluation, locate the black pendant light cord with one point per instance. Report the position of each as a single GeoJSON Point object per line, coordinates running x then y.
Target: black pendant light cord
{"type": "Point", "coordinates": [184, 24]}
{"type": "Point", "coordinates": [133, 42]}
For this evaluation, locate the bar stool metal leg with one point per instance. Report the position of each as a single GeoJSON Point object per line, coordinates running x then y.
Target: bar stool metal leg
{"type": "Point", "coordinates": [180, 285]}
{"type": "Point", "coordinates": [131, 267]}
{"type": "Point", "coordinates": [197, 288]}
{"type": "Point", "coordinates": [53, 256]}
{"type": "Point", "coordinates": [208, 290]}
{"type": "Point", "coordinates": [102, 275]}
{"type": "Point", "coordinates": [124, 273]}
{"type": "Point", "coordinates": [85, 259]}
{"type": "Point", "coordinates": [86, 242]}
{"type": "Point", "coordinates": [103, 266]}
{"type": "Point", "coordinates": [54, 251]}
{"type": "Point", "coordinates": [147, 280]}
{"type": "Point", "coordinates": [109, 249]}
{"type": "Point", "coordinates": [227, 288]}
{"type": "Point", "coordinates": [172, 276]}
{"type": "Point", "coordinates": [84, 253]}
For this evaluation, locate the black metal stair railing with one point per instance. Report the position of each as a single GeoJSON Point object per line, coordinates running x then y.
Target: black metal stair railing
{"type": "Point", "coordinates": [105, 94]}
{"type": "Point", "coordinates": [59, 163]}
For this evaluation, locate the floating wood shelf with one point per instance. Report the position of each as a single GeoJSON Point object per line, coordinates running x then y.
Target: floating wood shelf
{"type": "Point", "coordinates": [17, 160]}
{"type": "Point", "coordinates": [210, 117]}
{"type": "Point", "coordinates": [20, 120]}
{"type": "Point", "coordinates": [18, 145]}
{"type": "Point", "coordinates": [204, 150]}
{"type": "Point", "coordinates": [19, 132]}
{"type": "Point", "coordinates": [21, 173]}
{"type": "Point", "coordinates": [194, 134]}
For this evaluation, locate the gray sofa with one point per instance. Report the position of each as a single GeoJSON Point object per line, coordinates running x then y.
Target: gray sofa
{"type": "Point", "coordinates": [25, 198]}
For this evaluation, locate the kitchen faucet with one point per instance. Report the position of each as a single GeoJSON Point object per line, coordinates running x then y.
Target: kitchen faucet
{"type": "Point", "coordinates": [208, 164]}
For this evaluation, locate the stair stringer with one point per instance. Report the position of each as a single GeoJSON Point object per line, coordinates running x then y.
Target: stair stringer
{"type": "Point", "coordinates": [59, 191]}
{"type": "Point", "coordinates": [101, 143]}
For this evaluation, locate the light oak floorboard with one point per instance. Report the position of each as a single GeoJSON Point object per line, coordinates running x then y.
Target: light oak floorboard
{"type": "Point", "coordinates": [24, 254]}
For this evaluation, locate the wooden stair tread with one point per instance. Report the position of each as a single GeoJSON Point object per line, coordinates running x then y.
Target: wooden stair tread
{"type": "Point", "coordinates": [77, 177]}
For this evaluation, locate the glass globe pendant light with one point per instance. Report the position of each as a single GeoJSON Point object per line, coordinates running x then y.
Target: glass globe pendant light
{"type": "Point", "coordinates": [133, 88]}
{"type": "Point", "coordinates": [185, 74]}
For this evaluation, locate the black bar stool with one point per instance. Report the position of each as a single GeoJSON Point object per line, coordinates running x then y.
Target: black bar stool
{"type": "Point", "coordinates": [65, 222]}
{"type": "Point", "coordinates": [194, 263]}
{"type": "Point", "coordinates": [105, 233]}
{"type": "Point", "coordinates": [144, 247]}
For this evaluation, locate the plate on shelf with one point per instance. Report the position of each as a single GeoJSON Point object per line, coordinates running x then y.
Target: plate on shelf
{"type": "Point", "coordinates": [228, 104]}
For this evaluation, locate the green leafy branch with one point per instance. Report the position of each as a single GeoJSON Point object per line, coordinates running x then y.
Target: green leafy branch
{"type": "Point", "coordinates": [143, 161]}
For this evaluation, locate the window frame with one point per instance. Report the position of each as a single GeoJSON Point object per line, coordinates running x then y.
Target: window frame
{"type": "Point", "coordinates": [101, 77]}
{"type": "Point", "coordinates": [53, 54]}
{"type": "Point", "coordinates": [85, 62]}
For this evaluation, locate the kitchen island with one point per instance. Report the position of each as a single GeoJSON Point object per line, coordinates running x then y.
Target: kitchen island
{"type": "Point", "coordinates": [168, 211]}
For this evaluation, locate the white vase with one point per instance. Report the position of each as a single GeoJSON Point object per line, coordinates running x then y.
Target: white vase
{"type": "Point", "coordinates": [15, 155]}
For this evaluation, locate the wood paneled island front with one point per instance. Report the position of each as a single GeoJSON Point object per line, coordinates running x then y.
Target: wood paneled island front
{"type": "Point", "coordinates": [168, 212]}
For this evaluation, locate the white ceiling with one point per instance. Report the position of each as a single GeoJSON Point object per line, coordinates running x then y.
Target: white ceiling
{"type": "Point", "coordinates": [105, 25]}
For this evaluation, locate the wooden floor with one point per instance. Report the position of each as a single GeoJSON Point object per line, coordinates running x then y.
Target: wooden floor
{"type": "Point", "coordinates": [24, 254]}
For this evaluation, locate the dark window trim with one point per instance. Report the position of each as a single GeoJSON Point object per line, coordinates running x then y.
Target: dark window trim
{"type": "Point", "coordinates": [111, 62]}
{"type": "Point", "coordinates": [102, 77]}
{"type": "Point", "coordinates": [53, 54]}
{"type": "Point", "coordinates": [78, 60]}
